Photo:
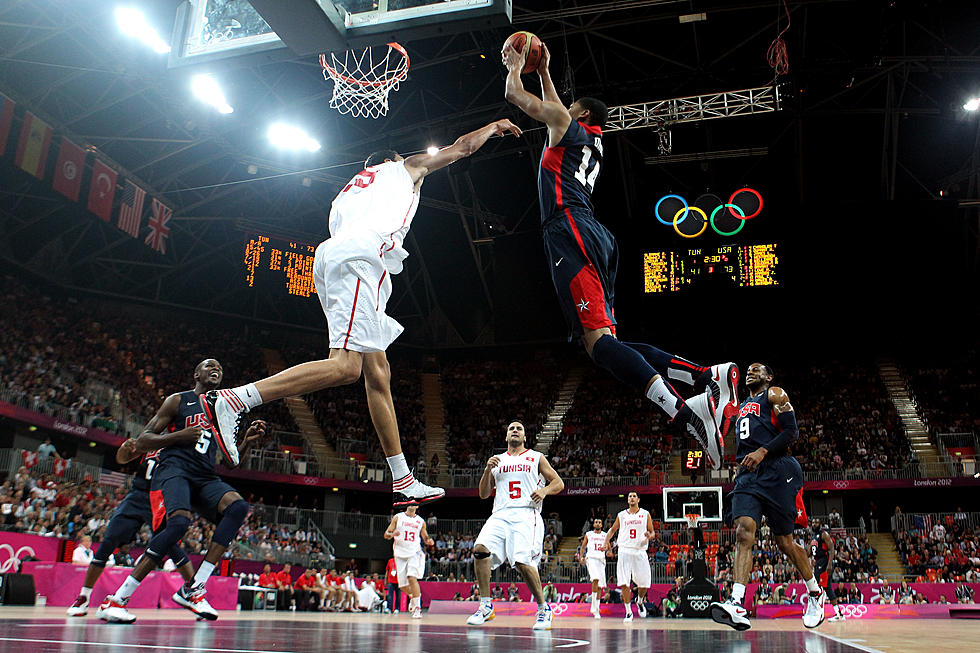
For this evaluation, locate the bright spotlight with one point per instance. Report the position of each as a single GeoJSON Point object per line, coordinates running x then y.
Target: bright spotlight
{"type": "Point", "coordinates": [432, 149]}
{"type": "Point", "coordinates": [207, 90]}
{"type": "Point", "coordinates": [291, 138]}
{"type": "Point", "coordinates": [133, 22]}
{"type": "Point", "coordinates": [972, 104]}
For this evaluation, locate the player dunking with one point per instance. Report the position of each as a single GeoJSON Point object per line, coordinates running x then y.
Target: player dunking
{"type": "Point", "coordinates": [593, 552]}
{"type": "Point", "coordinates": [407, 532]}
{"type": "Point", "coordinates": [183, 481]}
{"type": "Point", "coordinates": [514, 533]}
{"type": "Point", "coordinates": [823, 552]}
{"type": "Point", "coordinates": [635, 526]}
{"type": "Point", "coordinates": [352, 272]}
{"type": "Point", "coordinates": [770, 483]}
{"type": "Point", "coordinates": [583, 256]}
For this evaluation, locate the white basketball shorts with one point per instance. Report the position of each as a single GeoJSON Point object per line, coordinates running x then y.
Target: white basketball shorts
{"type": "Point", "coordinates": [632, 565]}
{"type": "Point", "coordinates": [513, 535]}
{"type": "Point", "coordinates": [413, 566]}
{"type": "Point", "coordinates": [354, 286]}
{"type": "Point", "coordinates": [597, 570]}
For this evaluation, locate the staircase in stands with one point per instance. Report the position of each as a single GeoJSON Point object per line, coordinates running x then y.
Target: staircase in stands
{"type": "Point", "coordinates": [915, 430]}
{"type": "Point", "coordinates": [298, 408]}
{"type": "Point", "coordinates": [556, 417]}
{"type": "Point", "coordinates": [435, 424]}
{"type": "Point", "coordinates": [890, 565]}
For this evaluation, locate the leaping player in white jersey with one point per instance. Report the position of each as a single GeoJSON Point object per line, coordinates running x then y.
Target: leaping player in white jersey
{"type": "Point", "coordinates": [514, 533]}
{"type": "Point", "coordinates": [635, 526]}
{"type": "Point", "coordinates": [352, 270]}
{"type": "Point", "coordinates": [407, 532]}
{"type": "Point", "coordinates": [593, 551]}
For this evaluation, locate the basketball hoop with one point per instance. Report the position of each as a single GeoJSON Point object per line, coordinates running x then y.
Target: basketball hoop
{"type": "Point", "coordinates": [361, 84]}
{"type": "Point", "coordinates": [692, 519]}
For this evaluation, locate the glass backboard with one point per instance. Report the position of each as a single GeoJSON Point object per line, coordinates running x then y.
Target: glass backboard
{"type": "Point", "coordinates": [705, 501]}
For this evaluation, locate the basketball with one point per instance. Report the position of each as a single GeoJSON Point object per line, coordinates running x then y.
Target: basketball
{"type": "Point", "coordinates": [526, 42]}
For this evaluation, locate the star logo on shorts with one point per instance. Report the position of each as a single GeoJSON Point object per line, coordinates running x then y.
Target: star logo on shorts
{"type": "Point", "coordinates": [799, 513]}
{"type": "Point", "coordinates": [662, 399]}
{"type": "Point", "coordinates": [583, 305]}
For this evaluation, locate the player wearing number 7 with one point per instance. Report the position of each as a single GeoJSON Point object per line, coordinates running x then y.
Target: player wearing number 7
{"type": "Point", "coordinates": [369, 220]}
{"type": "Point", "coordinates": [582, 257]}
{"type": "Point", "coordinates": [408, 531]}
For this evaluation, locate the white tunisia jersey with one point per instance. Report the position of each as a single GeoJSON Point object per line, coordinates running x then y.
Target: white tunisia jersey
{"type": "Point", "coordinates": [379, 200]}
{"type": "Point", "coordinates": [516, 478]}
{"type": "Point", "coordinates": [593, 546]}
{"type": "Point", "coordinates": [409, 540]}
{"type": "Point", "coordinates": [633, 529]}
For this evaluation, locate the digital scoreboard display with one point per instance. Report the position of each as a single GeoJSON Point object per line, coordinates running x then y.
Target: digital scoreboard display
{"type": "Point", "coordinates": [694, 459]}
{"type": "Point", "coordinates": [730, 265]}
{"type": "Point", "coordinates": [270, 261]}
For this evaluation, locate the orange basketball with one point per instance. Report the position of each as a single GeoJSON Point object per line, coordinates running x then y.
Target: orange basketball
{"type": "Point", "coordinates": [526, 42]}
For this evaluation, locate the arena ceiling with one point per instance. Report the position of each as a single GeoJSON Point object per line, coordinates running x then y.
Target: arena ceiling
{"type": "Point", "coordinates": [872, 81]}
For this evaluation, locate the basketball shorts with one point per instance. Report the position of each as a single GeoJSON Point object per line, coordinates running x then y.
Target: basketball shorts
{"type": "Point", "coordinates": [175, 489]}
{"type": "Point", "coordinates": [823, 578]}
{"type": "Point", "coordinates": [125, 523]}
{"type": "Point", "coordinates": [582, 258]}
{"type": "Point", "coordinates": [774, 490]}
{"type": "Point", "coordinates": [632, 565]}
{"type": "Point", "coordinates": [413, 566]}
{"type": "Point", "coordinates": [353, 285]}
{"type": "Point", "coordinates": [513, 535]}
{"type": "Point", "coordinates": [597, 570]}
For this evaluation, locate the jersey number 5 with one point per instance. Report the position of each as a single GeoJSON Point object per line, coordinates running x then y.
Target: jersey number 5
{"type": "Point", "coordinates": [588, 182]}
{"type": "Point", "coordinates": [515, 489]}
{"type": "Point", "coordinates": [743, 428]}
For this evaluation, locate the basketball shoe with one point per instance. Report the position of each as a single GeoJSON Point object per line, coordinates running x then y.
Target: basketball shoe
{"type": "Point", "coordinates": [731, 614]}
{"type": "Point", "coordinates": [628, 619]}
{"type": "Point", "coordinates": [595, 609]}
{"type": "Point", "coordinates": [418, 493]}
{"type": "Point", "coordinates": [193, 598]}
{"type": "Point", "coordinates": [641, 609]}
{"type": "Point", "coordinates": [722, 381]}
{"type": "Point", "coordinates": [226, 412]}
{"type": "Point", "coordinates": [482, 615]}
{"type": "Point", "coordinates": [699, 418]}
{"type": "Point", "coordinates": [814, 615]}
{"type": "Point", "coordinates": [79, 608]}
{"type": "Point", "coordinates": [543, 621]}
{"type": "Point", "coordinates": [114, 611]}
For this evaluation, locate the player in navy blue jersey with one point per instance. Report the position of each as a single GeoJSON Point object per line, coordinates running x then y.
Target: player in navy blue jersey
{"type": "Point", "coordinates": [770, 484]}
{"type": "Point", "coordinates": [583, 257]}
{"type": "Point", "coordinates": [823, 552]}
{"type": "Point", "coordinates": [134, 511]}
{"type": "Point", "coordinates": [184, 481]}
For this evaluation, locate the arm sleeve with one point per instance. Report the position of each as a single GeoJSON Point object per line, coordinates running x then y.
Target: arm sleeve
{"type": "Point", "coordinates": [786, 437]}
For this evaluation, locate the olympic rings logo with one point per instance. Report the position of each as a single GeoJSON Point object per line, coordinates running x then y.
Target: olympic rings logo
{"type": "Point", "coordinates": [700, 606]}
{"type": "Point", "coordinates": [13, 559]}
{"type": "Point", "coordinates": [558, 608]}
{"type": "Point", "coordinates": [853, 611]}
{"type": "Point", "coordinates": [841, 485]}
{"type": "Point", "coordinates": [672, 210]}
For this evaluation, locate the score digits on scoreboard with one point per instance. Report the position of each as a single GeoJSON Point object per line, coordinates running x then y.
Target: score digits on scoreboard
{"type": "Point", "coordinates": [729, 265]}
{"type": "Point", "coordinates": [274, 260]}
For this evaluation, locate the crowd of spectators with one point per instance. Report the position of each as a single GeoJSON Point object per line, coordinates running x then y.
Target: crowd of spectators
{"type": "Point", "coordinates": [940, 548]}
{"type": "Point", "coordinates": [947, 395]}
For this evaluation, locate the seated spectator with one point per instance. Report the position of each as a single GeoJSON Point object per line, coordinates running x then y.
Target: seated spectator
{"type": "Point", "coordinates": [83, 551]}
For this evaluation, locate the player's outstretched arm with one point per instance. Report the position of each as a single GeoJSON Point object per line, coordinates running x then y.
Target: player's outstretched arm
{"type": "Point", "coordinates": [424, 534]}
{"type": "Point", "coordinates": [256, 431]}
{"type": "Point", "coordinates": [831, 552]}
{"type": "Point", "coordinates": [550, 112]}
{"type": "Point", "coordinates": [486, 481]}
{"type": "Point", "coordinates": [420, 165]}
{"type": "Point", "coordinates": [154, 436]}
{"type": "Point", "coordinates": [555, 484]}
{"type": "Point", "coordinates": [548, 92]}
{"type": "Point", "coordinates": [392, 531]}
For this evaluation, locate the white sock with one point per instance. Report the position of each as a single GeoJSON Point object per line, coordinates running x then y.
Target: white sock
{"type": "Point", "coordinates": [811, 585]}
{"type": "Point", "coordinates": [738, 592]}
{"type": "Point", "coordinates": [400, 473]}
{"type": "Point", "coordinates": [595, 598]}
{"type": "Point", "coordinates": [86, 592]}
{"type": "Point", "coordinates": [660, 394]}
{"type": "Point", "coordinates": [127, 588]}
{"type": "Point", "coordinates": [249, 395]}
{"type": "Point", "coordinates": [542, 607]}
{"type": "Point", "coordinates": [203, 572]}
{"type": "Point", "coordinates": [486, 601]}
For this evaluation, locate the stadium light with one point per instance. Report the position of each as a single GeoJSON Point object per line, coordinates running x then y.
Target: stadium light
{"type": "Point", "coordinates": [432, 149]}
{"type": "Point", "coordinates": [291, 138]}
{"type": "Point", "coordinates": [972, 104]}
{"type": "Point", "coordinates": [207, 90]}
{"type": "Point", "coordinates": [133, 22]}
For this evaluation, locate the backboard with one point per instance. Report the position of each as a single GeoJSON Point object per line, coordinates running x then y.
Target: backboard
{"type": "Point", "coordinates": [704, 501]}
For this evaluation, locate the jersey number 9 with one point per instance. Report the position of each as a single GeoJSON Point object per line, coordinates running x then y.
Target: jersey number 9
{"type": "Point", "coordinates": [743, 428]}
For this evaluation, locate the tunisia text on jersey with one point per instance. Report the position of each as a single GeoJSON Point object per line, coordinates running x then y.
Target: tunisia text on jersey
{"type": "Point", "coordinates": [633, 529]}
{"type": "Point", "coordinates": [516, 478]}
{"type": "Point", "coordinates": [379, 201]}
{"type": "Point", "coordinates": [409, 539]}
{"type": "Point", "coordinates": [568, 171]}
{"type": "Point", "coordinates": [593, 545]}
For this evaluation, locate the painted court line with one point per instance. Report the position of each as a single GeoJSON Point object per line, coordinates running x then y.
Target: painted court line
{"type": "Point", "coordinates": [115, 644]}
{"type": "Point", "coordinates": [866, 649]}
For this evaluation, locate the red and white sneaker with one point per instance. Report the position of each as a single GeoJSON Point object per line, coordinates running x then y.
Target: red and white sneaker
{"type": "Point", "coordinates": [79, 608]}
{"type": "Point", "coordinates": [113, 611]}
{"type": "Point", "coordinates": [193, 598]}
{"type": "Point", "coordinates": [700, 420]}
{"type": "Point", "coordinates": [731, 614]}
{"type": "Point", "coordinates": [226, 413]}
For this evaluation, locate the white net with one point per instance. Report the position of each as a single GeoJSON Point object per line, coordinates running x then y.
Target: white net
{"type": "Point", "coordinates": [362, 80]}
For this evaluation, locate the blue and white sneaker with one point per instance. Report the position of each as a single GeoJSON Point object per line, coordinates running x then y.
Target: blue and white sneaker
{"type": "Point", "coordinates": [482, 615]}
{"type": "Point", "coordinates": [545, 615]}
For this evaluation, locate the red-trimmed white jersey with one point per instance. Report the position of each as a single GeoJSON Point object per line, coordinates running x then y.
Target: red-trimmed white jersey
{"type": "Point", "coordinates": [516, 478]}
{"type": "Point", "coordinates": [633, 529]}
{"type": "Point", "coordinates": [593, 545]}
{"type": "Point", "coordinates": [409, 540]}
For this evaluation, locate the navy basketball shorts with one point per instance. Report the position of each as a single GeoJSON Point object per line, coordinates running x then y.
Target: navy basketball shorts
{"type": "Point", "coordinates": [771, 490]}
{"type": "Point", "coordinates": [582, 258]}
{"type": "Point", "coordinates": [176, 489]}
{"type": "Point", "coordinates": [128, 518]}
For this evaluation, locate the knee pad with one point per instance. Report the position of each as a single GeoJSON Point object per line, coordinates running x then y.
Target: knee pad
{"type": "Point", "coordinates": [101, 557]}
{"type": "Point", "coordinates": [178, 556]}
{"type": "Point", "coordinates": [480, 555]}
{"type": "Point", "coordinates": [232, 519]}
{"type": "Point", "coordinates": [167, 538]}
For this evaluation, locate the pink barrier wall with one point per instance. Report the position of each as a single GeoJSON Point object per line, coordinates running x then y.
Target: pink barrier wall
{"type": "Point", "coordinates": [861, 611]}
{"type": "Point", "coordinates": [526, 609]}
{"type": "Point", "coordinates": [60, 583]}
{"type": "Point", "coordinates": [17, 546]}
{"type": "Point", "coordinates": [869, 591]}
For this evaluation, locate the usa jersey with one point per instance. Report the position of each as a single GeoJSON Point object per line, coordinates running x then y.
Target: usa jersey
{"type": "Point", "coordinates": [593, 545]}
{"type": "Point", "coordinates": [516, 478]}
{"type": "Point", "coordinates": [569, 170]}
{"type": "Point", "coordinates": [819, 551]}
{"type": "Point", "coordinates": [192, 456]}
{"type": "Point", "coordinates": [756, 426]}
{"type": "Point", "coordinates": [633, 529]}
{"type": "Point", "coordinates": [380, 202]}
{"type": "Point", "coordinates": [143, 476]}
{"type": "Point", "coordinates": [409, 540]}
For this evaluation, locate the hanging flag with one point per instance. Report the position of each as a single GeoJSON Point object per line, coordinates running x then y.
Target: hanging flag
{"type": "Point", "coordinates": [29, 458]}
{"type": "Point", "coordinates": [102, 190]}
{"type": "Point", "coordinates": [32, 149]}
{"type": "Point", "coordinates": [114, 479]}
{"type": "Point", "coordinates": [68, 172]}
{"type": "Point", "coordinates": [6, 120]}
{"type": "Point", "coordinates": [60, 465]}
{"type": "Point", "coordinates": [159, 231]}
{"type": "Point", "coordinates": [131, 209]}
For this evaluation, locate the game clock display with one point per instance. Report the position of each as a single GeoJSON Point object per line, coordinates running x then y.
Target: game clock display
{"type": "Point", "coordinates": [278, 262]}
{"type": "Point", "coordinates": [694, 459]}
{"type": "Point", "coordinates": [730, 266]}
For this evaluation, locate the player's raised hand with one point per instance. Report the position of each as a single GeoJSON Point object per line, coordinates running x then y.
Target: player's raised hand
{"type": "Point", "coordinates": [256, 431]}
{"type": "Point", "coordinates": [502, 127]}
{"type": "Point", "coordinates": [512, 59]}
{"type": "Point", "coordinates": [493, 462]}
{"type": "Point", "coordinates": [545, 60]}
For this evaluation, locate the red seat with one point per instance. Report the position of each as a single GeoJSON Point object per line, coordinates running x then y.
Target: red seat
{"type": "Point", "coordinates": [670, 568]}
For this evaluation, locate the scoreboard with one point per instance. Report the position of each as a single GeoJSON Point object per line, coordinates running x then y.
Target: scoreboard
{"type": "Point", "coordinates": [276, 261]}
{"type": "Point", "coordinates": [734, 266]}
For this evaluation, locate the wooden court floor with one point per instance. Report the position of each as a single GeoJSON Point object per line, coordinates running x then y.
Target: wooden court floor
{"type": "Point", "coordinates": [48, 630]}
